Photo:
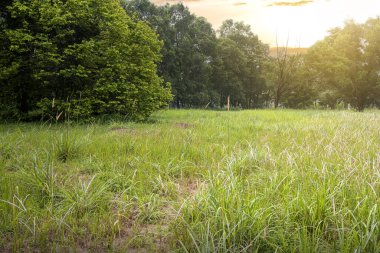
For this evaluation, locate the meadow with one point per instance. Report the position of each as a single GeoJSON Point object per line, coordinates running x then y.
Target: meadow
{"type": "Point", "coordinates": [194, 181]}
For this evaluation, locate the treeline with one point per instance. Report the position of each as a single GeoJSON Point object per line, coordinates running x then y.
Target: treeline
{"type": "Point", "coordinates": [131, 57]}
{"type": "Point", "coordinates": [206, 66]}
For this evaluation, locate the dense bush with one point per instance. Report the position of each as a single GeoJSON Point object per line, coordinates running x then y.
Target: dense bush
{"type": "Point", "coordinates": [87, 54]}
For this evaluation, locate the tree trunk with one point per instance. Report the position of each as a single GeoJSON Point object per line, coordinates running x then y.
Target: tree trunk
{"type": "Point", "coordinates": [360, 103]}
{"type": "Point", "coordinates": [276, 100]}
{"type": "Point", "coordinates": [360, 106]}
{"type": "Point", "coordinates": [23, 102]}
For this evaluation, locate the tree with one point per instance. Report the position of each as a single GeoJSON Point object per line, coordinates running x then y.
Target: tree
{"type": "Point", "coordinates": [84, 55]}
{"type": "Point", "coordinates": [201, 68]}
{"type": "Point", "coordinates": [301, 92]}
{"type": "Point", "coordinates": [189, 45]}
{"type": "Point", "coordinates": [239, 63]}
{"type": "Point", "coordinates": [372, 55]}
{"type": "Point", "coordinates": [281, 73]}
{"type": "Point", "coordinates": [346, 65]}
{"type": "Point", "coordinates": [193, 51]}
{"type": "Point", "coordinates": [229, 68]}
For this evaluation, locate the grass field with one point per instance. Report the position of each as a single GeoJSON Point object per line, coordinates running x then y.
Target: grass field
{"type": "Point", "coordinates": [194, 181]}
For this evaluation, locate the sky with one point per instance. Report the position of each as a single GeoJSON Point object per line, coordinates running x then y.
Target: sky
{"type": "Point", "coordinates": [296, 23]}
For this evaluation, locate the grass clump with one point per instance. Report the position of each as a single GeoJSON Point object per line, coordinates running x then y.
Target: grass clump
{"type": "Point", "coordinates": [66, 147]}
{"type": "Point", "coordinates": [86, 197]}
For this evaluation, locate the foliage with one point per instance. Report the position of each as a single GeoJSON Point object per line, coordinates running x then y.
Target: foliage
{"type": "Point", "coordinates": [238, 65]}
{"type": "Point", "coordinates": [201, 67]}
{"type": "Point", "coordinates": [86, 58]}
{"type": "Point", "coordinates": [346, 63]}
{"type": "Point", "coordinates": [188, 50]}
{"type": "Point", "coordinates": [78, 50]}
{"type": "Point", "coordinates": [281, 72]}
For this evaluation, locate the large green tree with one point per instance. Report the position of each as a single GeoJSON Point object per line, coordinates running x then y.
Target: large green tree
{"type": "Point", "coordinates": [283, 72]}
{"type": "Point", "coordinates": [229, 68]}
{"type": "Point", "coordinates": [346, 64]}
{"type": "Point", "coordinates": [239, 64]}
{"type": "Point", "coordinates": [86, 55]}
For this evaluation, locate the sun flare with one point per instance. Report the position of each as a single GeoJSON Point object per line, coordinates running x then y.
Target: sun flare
{"type": "Point", "coordinates": [296, 23]}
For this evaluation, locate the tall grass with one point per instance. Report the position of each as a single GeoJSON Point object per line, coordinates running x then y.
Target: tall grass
{"type": "Point", "coordinates": [315, 190]}
{"type": "Point", "coordinates": [194, 181]}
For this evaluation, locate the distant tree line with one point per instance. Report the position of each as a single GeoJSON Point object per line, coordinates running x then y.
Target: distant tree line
{"type": "Point", "coordinates": [131, 57]}
{"type": "Point", "coordinates": [206, 66]}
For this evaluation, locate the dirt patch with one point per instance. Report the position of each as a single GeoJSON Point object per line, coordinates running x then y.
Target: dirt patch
{"type": "Point", "coordinates": [140, 237]}
{"type": "Point", "coordinates": [136, 237]}
{"type": "Point", "coordinates": [144, 238]}
{"type": "Point", "coordinates": [189, 188]}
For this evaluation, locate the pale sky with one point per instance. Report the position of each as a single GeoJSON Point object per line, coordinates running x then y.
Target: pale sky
{"type": "Point", "coordinates": [302, 21]}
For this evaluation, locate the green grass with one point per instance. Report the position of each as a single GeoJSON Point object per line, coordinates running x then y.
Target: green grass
{"type": "Point", "coordinates": [194, 181]}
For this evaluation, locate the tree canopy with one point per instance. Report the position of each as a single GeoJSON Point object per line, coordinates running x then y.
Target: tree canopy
{"type": "Point", "coordinates": [132, 57]}
{"type": "Point", "coordinates": [88, 56]}
{"type": "Point", "coordinates": [346, 64]}
{"type": "Point", "coordinates": [203, 68]}
{"type": "Point", "coordinates": [239, 65]}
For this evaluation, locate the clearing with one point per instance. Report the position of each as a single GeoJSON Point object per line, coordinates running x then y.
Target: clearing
{"type": "Point", "coordinates": [196, 181]}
